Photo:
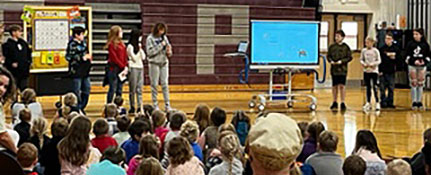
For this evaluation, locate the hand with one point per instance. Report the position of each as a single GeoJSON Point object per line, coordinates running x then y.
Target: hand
{"type": "Point", "coordinates": [87, 57]}
{"type": "Point", "coordinates": [418, 63]}
{"type": "Point", "coordinates": [339, 62]}
{"type": "Point", "coordinates": [169, 51]}
{"type": "Point", "coordinates": [332, 62]}
{"type": "Point", "coordinates": [14, 65]}
{"type": "Point", "coordinates": [163, 43]}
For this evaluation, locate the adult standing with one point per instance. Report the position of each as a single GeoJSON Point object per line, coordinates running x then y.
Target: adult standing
{"type": "Point", "coordinates": [17, 57]}
{"type": "Point", "coordinates": [389, 54]}
{"type": "Point", "coordinates": [158, 50]}
{"type": "Point", "coordinates": [117, 62]}
{"type": "Point", "coordinates": [136, 71]}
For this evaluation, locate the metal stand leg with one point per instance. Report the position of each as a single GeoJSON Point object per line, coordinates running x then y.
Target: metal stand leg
{"type": "Point", "coordinates": [270, 84]}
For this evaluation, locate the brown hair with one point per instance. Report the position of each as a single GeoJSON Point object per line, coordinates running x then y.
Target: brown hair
{"type": "Point", "coordinates": [157, 27]}
{"type": "Point", "coordinates": [177, 119]}
{"type": "Point", "coordinates": [27, 155]}
{"type": "Point", "coordinates": [28, 96]}
{"type": "Point", "coordinates": [115, 154]}
{"type": "Point", "coordinates": [190, 131]}
{"type": "Point", "coordinates": [71, 116]}
{"type": "Point", "coordinates": [303, 127]}
{"type": "Point", "coordinates": [113, 37]}
{"type": "Point", "coordinates": [226, 127]}
{"type": "Point", "coordinates": [59, 127]}
{"type": "Point", "coordinates": [149, 166]}
{"type": "Point", "coordinates": [123, 123]}
{"type": "Point", "coordinates": [158, 117]}
{"type": "Point", "coordinates": [118, 100]}
{"type": "Point", "coordinates": [1, 34]}
{"type": "Point", "coordinates": [229, 147]}
{"type": "Point", "coordinates": [328, 141]}
{"type": "Point", "coordinates": [11, 90]}
{"type": "Point", "coordinates": [100, 127]}
{"type": "Point", "coordinates": [314, 129]}
{"type": "Point", "coordinates": [399, 167]}
{"type": "Point", "coordinates": [110, 110]}
{"type": "Point", "coordinates": [25, 115]}
{"type": "Point", "coordinates": [39, 128]}
{"type": "Point", "coordinates": [74, 147]}
{"type": "Point", "coordinates": [341, 33]}
{"type": "Point", "coordinates": [202, 116]}
{"type": "Point", "coordinates": [354, 165]}
{"type": "Point", "coordinates": [148, 147]}
{"type": "Point", "coordinates": [179, 151]}
{"type": "Point", "coordinates": [14, 28]}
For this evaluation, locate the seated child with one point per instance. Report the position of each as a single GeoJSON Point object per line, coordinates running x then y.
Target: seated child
{"type": "Point", "coordinates": [102, 139]}
{"type": "Point", "coordinates": [27, 158]}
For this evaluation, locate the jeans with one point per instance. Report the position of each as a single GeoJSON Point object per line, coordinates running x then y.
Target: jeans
{"type": "Point", "coordinates": [136, 81]}
{"type": "Point", "coordinates": [81, 88]}
{"type": "Point", "coordinates": [387, 82]}
{"type": "Point", "coordinates": [115, 86]}
{"type": "Point", "coordinates": [159, 72]}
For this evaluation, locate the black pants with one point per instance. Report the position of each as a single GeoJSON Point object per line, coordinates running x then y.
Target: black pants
{"type": "Point", "coordinates": [371, 81]}
{"type": "Point", "coordinates": [21, 82]}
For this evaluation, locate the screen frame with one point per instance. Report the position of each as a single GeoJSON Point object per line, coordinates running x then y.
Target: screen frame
{"type": "Point", "coordinates": [286, 64]}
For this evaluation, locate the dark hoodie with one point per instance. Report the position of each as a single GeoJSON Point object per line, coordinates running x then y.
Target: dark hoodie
{"type": "Point", "coordinates": [17, 52]}
{"type": "Point", "coordinates": [418, 51]}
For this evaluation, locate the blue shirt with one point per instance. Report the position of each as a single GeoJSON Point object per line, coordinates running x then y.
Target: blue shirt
{"type": "Point", "coordinates": [198, 151]}
{"type": "Point", "coordinates": [105, 167]}
{"type": "Point", "coordinates": [131, 147]}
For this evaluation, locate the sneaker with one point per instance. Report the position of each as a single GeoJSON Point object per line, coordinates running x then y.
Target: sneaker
{"type": "Point", "coordinates": [334, 106]}
{"type": "Point", "coordinates": [366, 107]}
{"type": "Point", "coordinates": [415, 106]}
{"type": "Point", "coordinates": [343, 106]}
{"type": "Point", "coordinates": [377, 106]}
{"type": "Point", "coordinates": [138, 111]}
{"type": "Point", "coordinates": [420, 105]}
{"type": "Point", "coordinates": [132, 110]}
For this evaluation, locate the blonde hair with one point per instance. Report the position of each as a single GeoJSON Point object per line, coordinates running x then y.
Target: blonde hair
{"type": "Point", "coordinates": [150, 166]}
{"type": "Point", "coordinates": [226, 127]}
{"type": "Point", "coordinates": [369, 38]}
{"type": "Point", "coordinates": [28, 96]}
{"type": "Point", "coordinates": [70, 99]}
{"type": "Point", "coordinates": [39, 128]}
{"type": "Point", "coordinates": [399, 167]}
{"type": "Point", "coordinates": [229, 147]}
{"type": "Point", "coordinates": [113, 36]}
{"type": "Point", "coordinates": [1, 34]}
{"type": "Point", "coordinates": [190, 131]}
{"type": "Point", "coordinates": [110, 110]}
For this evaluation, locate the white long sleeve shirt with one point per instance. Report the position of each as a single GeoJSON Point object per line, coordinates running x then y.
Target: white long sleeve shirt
{"type": "Point", "coordinates": [136, 60]}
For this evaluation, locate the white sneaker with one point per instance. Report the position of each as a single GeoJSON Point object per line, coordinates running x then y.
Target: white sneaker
{"type": "Point", "coordinates": [377, 106]}
{"type": "Point", "coordinates": [366, 107]}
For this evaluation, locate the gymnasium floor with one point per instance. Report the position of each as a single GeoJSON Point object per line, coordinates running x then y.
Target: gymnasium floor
{"type": "Point", "coordinates": [399, 131]}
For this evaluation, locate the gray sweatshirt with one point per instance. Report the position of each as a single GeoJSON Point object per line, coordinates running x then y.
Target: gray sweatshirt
{"type": "Point", "coordinates": [370, 57]}
{"type": "Point", "coordinates": [156, 52]}
{"type": "Point", "coordinates": [223, 168]}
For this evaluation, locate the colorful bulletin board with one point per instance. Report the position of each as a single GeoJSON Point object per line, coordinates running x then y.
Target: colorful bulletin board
{"type": "Point", "coordinates": [48, 30]}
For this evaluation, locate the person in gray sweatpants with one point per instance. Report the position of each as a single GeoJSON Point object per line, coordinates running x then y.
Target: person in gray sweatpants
{"type": "Point", "coordinates": [136, 71]}
{"type": "Point", "coordinates": [158, 50]}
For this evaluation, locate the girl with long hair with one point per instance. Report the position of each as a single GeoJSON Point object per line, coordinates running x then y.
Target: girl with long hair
{"type": "Point", "coordinates": [28, 100]}
{"type": "Point", "coordinates": [136, 72]}
{"type": "Point", "coordinates": [117, 62]}
{"type": "Point", "coordinates": [366, 147]}
{"type": "Point", "coordinates": [229, 147]}
{"type": "Point", "coordinates": [202, 116]}
{"type": "Point", "coordinates": [418, 56]}
{"type": "Point", "coordinates": [159, 49]}
{"type": "Point", "coordinates": [181, 158]}
{"type": "Point", "coordinates": [7, 94]}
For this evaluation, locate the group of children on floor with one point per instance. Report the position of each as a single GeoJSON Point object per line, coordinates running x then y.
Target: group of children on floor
{"type": "Point", "coordinates": [379, 66]}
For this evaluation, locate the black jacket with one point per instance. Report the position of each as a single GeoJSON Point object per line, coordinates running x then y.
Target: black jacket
{"type": "Point", "coordinates": [78, 68]}
{"type": "Point", "coordinates": [17, 52]}
{"type": "Point", "coordinates": [389, 65]}
{"type": "Point", "coordinates": [417, 51]}
{"type": "Point", "coordinates": [49, 157]}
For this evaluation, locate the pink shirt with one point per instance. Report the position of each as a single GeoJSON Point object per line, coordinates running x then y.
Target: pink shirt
{"type": "Point", "coordinates": [133, 165]}
{"type": "Point", "coordinates": [193, 166]}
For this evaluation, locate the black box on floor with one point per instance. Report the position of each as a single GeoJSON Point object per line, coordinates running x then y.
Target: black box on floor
{"type": "Point", "coordinates": [50, 83]}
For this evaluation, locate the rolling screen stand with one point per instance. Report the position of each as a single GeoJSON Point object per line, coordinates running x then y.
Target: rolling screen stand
{"type": "Point", "coordinates": [261, 100]}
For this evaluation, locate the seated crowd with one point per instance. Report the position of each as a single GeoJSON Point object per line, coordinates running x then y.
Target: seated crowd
{"type": "Point", "coordinates": [158, 143]}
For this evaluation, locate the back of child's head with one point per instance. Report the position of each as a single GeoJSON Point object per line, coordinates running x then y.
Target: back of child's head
{"type": "Point", "coordinates": [328, 141]}
{"type": "Point", "coordinates": [100, 127]}
{"type": "Point", "coordinates": [229, 144]}
{"type": "Point", "coordinates": [226, 127]}
{"type": "Point", "coordinates": [202, 116]}
{"type": "Point", "coordinates": [28, 96]}
{"type": "Point", "coordinates": [399, 167]}
{"type": "Point", "coordinates": [27, 155]}
{"type": "Point", "coordinates": [314, 129]}
{"type": "Point", "coordinates": [123, 123]}
{"type": "Point", "coordinates": [110, 110]}
{"type": "Point", "coordinates": [70, 99]}
{"type": "Point", "coordinates": [39, 127]}
{"type": "Point", "coordinates": [354, 165]}
{"type": "Point", "coordinates": [148, 147]}
{"type": "Point", "coordinates": [159, 118]}
{"type": "Point", "coordinates": [137, 128]}
{"type": "Point", "coordinates": [71, 116]}
{"type": "Point", "coordinates": [144, 118]}
{"type": "Point", "coordinates": [190, 131]}
{"type": "Point", "coordinates": [177, 119]}
{"type": "Point", "coordinates": [59, 127]}
{"type": "Point", "coordinates": [303, 127]}
{"type": "Point", "coordinates": [218, 116]}
{"type": "Point", "coordinates": [118, 101]}
{"type": "Point", "coordinates": [114, 154]}
{"type": "Point", "coordinates": [150, 166]}
{"type": "Point", "coordinates": [78, 30]}
{"type": "Point", "coordinates": [25, 115]}
{"type": "Point", "coordinates": [148, 110]}
{"type": "Point", "coordinates": [242, 125]}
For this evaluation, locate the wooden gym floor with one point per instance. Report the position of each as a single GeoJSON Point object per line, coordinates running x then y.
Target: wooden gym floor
{"type": "Point", "coordinates": [399, 131]}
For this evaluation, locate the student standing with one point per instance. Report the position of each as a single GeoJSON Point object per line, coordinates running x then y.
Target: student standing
{"type": "Point", "coordinates": [117, 62]}
{"type": "Point", "coordinates": [158, 50]}
{"type": "Point", "coordinates": [17, 57]}
{"type": "Point", "coordinates": [79, 66]}
{"type": "Point", "coordinates": [136, 71]}
{"type": "Point", "coordinates": [339, 55]}
{"type": "Point", "coordinates": [370, 60]}
{"type": "Point", "coordinates": [389, 54]}
{"type": "Point", "coordinates": [418, 56]}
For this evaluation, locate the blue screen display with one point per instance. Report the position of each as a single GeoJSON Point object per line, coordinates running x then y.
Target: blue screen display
{"type": "Point", "coordinates": [284, 42]}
